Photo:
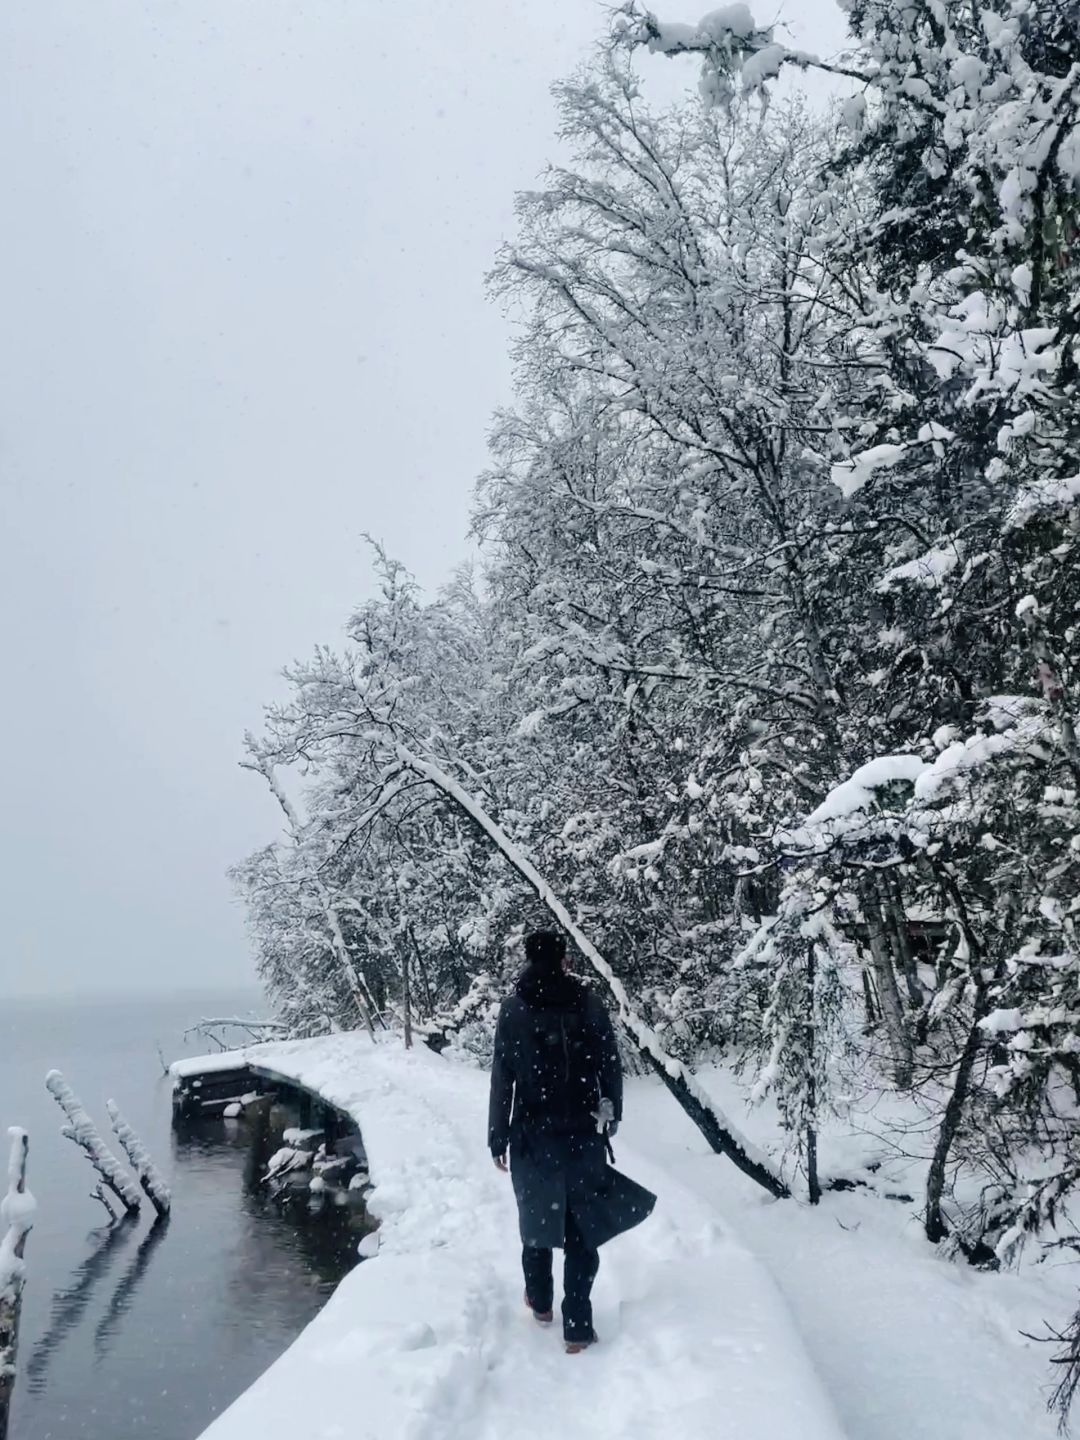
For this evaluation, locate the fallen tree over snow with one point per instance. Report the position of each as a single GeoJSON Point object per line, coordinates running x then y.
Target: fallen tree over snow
{"type": "Point", "coordinates": [721, 1134]}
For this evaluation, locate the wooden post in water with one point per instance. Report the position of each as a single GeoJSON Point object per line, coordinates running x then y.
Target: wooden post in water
{"type": "Point", "coordinates": [82, 1130]}
{"type": "Point", "coordinates": [17, 1210]}
{"type": "Point", "coordinates": [139, 1159]}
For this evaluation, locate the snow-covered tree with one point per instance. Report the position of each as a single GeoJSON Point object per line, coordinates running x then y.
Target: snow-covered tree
{"type": "Point", "coordinates": [766, 686]}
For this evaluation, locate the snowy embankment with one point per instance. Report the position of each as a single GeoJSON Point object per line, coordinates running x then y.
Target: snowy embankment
{"type": "Point", "coordinates": [909, 1345]}
{"type": "Point", "coordinates": [430, 1340]}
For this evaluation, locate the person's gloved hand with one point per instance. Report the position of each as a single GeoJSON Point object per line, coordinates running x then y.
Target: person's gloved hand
{"type": "Point", "coordinates": [604, 1115]}
{"type": "Point", "coordinates": [612, 1129]}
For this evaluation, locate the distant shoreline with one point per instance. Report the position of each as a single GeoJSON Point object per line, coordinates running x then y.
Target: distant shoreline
{"type": "Point", "coordinates": [233, 996]}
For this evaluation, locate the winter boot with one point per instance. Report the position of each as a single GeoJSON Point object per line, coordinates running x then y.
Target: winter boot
{"type": "Point", "coordinates": [577, 1347]}
{"type": "Point", "coordinates": [542, 1317]}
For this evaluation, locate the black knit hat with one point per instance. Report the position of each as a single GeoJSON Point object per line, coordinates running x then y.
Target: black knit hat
{"type": "Point", "coordinates": [545, 949]}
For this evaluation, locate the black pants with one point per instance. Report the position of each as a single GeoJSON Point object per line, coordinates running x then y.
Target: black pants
{"type": "Point", "coordinates": [580, 1265]}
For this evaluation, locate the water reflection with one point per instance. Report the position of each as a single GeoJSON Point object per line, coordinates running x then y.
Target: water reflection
{"type": "Point", "coordinates": [124, 1294]}
{"type": "Point", "coordinates": [70, 1304]}
{"type": "Point", "coordinates": [160, 1327]}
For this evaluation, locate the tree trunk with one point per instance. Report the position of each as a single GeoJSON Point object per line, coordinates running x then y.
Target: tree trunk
{"type": "Point", "coordinates": [421, 965]}
{"type": "Point", "coordinates": [722, 1138]}
{"type": "Point", "coordinates": [812, 1181]}
{"type": "Point", "coordinates": [893, 907]}
{"type": "Point", "coordinates": [892, 1011]}
{"type": "Point", "coordinates": [936, 1228]}
{"type": "Point", "coordinates": [406, 997]}
{"type": "Point", "coordinates": [873, 1015]}
{"type": "Point", "coordinates": [364, 1007]}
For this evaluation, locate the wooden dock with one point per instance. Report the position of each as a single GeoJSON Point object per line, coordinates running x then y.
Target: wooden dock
{"type": "Point", "coordinates": [309, 1145]}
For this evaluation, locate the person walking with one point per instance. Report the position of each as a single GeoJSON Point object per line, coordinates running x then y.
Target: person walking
{"type": "Point", "coordinates": [556, 1101]}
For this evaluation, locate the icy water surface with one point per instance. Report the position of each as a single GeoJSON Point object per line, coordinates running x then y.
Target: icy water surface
{"type": "Point", "coordinates": [141, 1331]}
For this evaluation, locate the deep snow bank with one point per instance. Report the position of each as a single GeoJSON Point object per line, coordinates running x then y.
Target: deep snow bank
{"type": "Point", "coordinates": [910, 1345]}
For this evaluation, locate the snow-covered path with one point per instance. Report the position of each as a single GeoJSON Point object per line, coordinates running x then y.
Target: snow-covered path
{"type": "Point", "coordinates": [431, 1341]}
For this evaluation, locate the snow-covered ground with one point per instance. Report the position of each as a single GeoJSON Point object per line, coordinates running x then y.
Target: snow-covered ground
{"type": "Point", "coordinates": [431, 1339]}
{"type": "Point", "coordinates": [727, 1315]}
{"type": "Point", "coordinates": [908, 1345]}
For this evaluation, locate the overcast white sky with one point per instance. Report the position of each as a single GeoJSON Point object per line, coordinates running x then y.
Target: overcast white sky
{"type": "Point", "coordinates": [244, 321]}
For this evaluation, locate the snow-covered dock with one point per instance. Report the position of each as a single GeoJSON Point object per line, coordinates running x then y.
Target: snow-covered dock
{"type": "Point", "coordinates": [430, 1339]}
{"type": "Point", "coordinates": [227, 1081]}
{"type": "Point", "coordinates": [209, 1084]}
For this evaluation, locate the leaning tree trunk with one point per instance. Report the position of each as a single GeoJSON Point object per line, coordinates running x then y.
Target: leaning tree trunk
{"type": "Point", "coordinates": [718, 1131]}
{"type": "Point", "coordinates": [936, 1228]}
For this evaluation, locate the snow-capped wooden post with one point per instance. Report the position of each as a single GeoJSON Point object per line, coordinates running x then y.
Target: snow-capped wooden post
{"type": "Point", "coordinates": [17, 1211]}
{"type": "Point", "coordinates": [82, 1130]}
{"type": "Point", "coordinates": [139, 1159]}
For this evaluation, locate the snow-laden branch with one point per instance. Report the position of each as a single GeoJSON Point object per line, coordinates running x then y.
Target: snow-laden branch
{"type": "Point", "coordinates": [215, 1030]}
{"type": "Point", "coordinates": [82, 1130]}
{"type": "Point", "coordinates": [732, 46]}
{"type": "Point", "coordinates": [150, 1177]}
{"type": "Point", "coordinates": [710, 1120]}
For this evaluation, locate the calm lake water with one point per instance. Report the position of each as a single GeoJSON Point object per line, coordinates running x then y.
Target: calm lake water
{"type": "Point", "coordinates": [135, 1331]}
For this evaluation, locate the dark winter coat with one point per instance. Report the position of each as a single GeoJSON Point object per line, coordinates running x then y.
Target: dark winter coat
{"type": "Point", "coordinates": [555, 1058]}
